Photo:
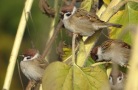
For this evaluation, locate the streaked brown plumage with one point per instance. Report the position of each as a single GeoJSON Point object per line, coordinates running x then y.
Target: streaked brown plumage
{"type": "Point", "coordinates": [32, 66]}
{"type": "Point", "coordinates": [82, 22]}
{"type": "Point", "coordinates": [114, 50]}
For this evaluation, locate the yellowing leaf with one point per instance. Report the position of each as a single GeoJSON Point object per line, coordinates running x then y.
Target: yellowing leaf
{"type": "Point", "coordinates": [86, 4]}
{"type": "Point", "coordinates": [125, 17]}
{"type": "Point", "coordinates": [59, 76]}
{"type": "Point", "coordinates": [107, 1]}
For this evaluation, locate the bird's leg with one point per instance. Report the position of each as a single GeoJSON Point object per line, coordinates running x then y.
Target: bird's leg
{"type": "Point", "coordinates": [30, 85]}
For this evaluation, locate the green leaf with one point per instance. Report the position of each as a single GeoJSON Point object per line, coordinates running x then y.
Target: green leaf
{"type": "Point", "coordinates": [67, 52]}
{"type": "Point", "coordinates": [125, 17]}
{"type": "Point", "coordinates": [86, 4]}
{"type": "Point", "coordinates": [89, 61]}
{"type": "Point", "coordinates": [107, 1]}
{"type": "Point", "coordinates": [59, 76]}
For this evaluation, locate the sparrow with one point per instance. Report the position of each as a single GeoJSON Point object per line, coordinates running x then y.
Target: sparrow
{"type": "Point", "coordinates": [115, 50]}
{"type": "Point", "coordinates": [82, 22]}
{"type": "Point", "coordinates": [32, 66]}
{"type": "Point", "coordinates": [117, 80]}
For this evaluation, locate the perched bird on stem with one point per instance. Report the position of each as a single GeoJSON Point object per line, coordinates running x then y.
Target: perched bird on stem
{"type": "Point", "coordinates": [82, 22]}
{"type": "Point", "coordinates": [32, 65]}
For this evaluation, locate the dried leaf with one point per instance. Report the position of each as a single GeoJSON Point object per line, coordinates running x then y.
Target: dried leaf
{"type": "Point", "coordinates": [45, 8]}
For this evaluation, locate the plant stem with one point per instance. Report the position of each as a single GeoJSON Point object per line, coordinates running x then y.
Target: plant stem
{"type": "Point", "coordinates": [17, 43]}
{"type": "Point", "coordinates": [53, 32]}
{"type": "Point", "coordinates": [49, 44]}
{"type": "Point", "coordinates": [99, 63]}
{"type": "Point", "coordinates": [110, 11]}
{"type": "Point", "coordinates": [73, 48]}
{"type": "Point", "coordinates": [132, 79]}
{"type": "Point", "coordinates": [81, 53]}
{"type": "Point", "coordinates": [88, 44]}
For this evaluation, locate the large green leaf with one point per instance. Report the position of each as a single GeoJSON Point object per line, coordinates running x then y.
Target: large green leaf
{"type": "Point", "coordinates": [59, 76]}
{"type": "Point", "coordinates": [125, 17]}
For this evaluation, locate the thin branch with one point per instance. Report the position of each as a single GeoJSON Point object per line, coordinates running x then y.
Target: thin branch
{"type": "Point", "coordinates": [29, 85]}
{"type": "Point", "coordinates": [100, 63]}
{"type": "Point", "coordinates": [45, 8]}
{"type": "Point", "coordinates": [19, 72]}
{"type": "Point", "coordinates": [49, 44]}
{"type": "Point", "coordinates": [17, 43]}
{"type": "Point", "coordinates": [73, 48]}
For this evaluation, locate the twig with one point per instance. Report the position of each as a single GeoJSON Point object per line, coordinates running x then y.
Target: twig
{"type": "Point", "coordinates": [19, 72]}
{"type": "Point", "coordinates": [49, 44]}
{"type": "Point", "coordinates": [73, 48]}
{"type": "Point", "coordinates": [29, 85]}
{"type": "Point", "coordinates": [45, 8]}
{"type": "Point", "coordinates": [99, 63]}
{"type": "Point", "coordinates": [17, 43]}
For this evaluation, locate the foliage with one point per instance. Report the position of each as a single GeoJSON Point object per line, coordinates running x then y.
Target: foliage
{"type": "Point", "coordinates": [125, 17]}
{"type": "Point", "coordinates": [60, 76]}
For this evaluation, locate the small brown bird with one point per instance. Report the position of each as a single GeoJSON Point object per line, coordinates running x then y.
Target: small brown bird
{"type": "Point", "coordinates": [117, 80]}
{"type": "Point", "coordinates": [32, 66]}
{"type": "Point", "coordinates": [82, 22]}
{"type": "Point", "coordinates": [115, 50]}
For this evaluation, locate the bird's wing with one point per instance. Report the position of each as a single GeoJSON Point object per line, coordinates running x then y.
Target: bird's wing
{"type": "Point", "coordinates": [41, 63]}
{"type": "Point", "coordinates": [106, 44]}
{"type": "Point", "coordinates": [124, 45]}
{"type": "Point", "coordinates": [91, 17]}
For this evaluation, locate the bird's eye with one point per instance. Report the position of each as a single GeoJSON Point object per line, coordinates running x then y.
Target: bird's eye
{"type": "Point", "coordinates": [28, 57]}
{"type": "Point", "coordinates": [95, 57]}
{"type": "Point", "coordinates": [110, 79]}
{"type": "Point", "coordinates": [120, 78]}
{"type": "Point", "coordinates": [68, 14]}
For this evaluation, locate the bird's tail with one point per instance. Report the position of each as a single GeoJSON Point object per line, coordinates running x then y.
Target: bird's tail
{"type": "Point", "coordinates": [114, 25]}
